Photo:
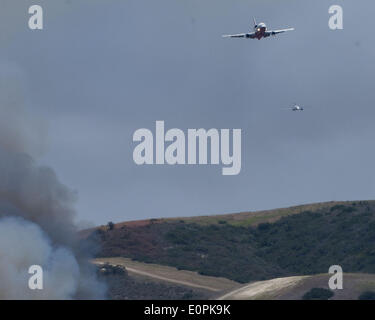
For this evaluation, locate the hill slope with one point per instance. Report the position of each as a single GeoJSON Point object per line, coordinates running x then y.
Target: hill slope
{"type": "Point", "coordinates": [122, 285]}
{"type": "Point", "coordinates": [171, 275]}
{"type": "Point", "coordinates": [293, 288]}
{"type": "Point", "coordinates": [246, 247]}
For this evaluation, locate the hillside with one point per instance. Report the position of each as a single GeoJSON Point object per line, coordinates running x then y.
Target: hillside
{"type": "Point", "coordinates": [127, 279]}
{"type": "Point", "coordinates": [294, 288]}
{"type": "Point", "coordinates": [246, 247]}
{"type": "Point", "coordinates": [121, 285]}
{"type": "Point", "coordinates": [198, 285]}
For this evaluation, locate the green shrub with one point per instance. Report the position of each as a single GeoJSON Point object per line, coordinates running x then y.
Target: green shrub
{"type": "Point", "coordinates": [110, 225]}
{"type": "Point", "coordinates": [367, 295]}
{"type": "Point", "coordinates": [318, 294]}
{"type": "Point", "coordinates": [264, 226]}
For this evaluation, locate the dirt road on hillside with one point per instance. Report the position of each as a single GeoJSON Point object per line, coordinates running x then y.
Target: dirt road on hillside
{"type": "Point", "coordinates": [172, 275]}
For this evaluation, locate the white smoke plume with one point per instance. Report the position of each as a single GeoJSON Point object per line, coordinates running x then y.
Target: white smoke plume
{"type": "Point", "coordinates": [36, 211]}
{"type": "Point", "coordinates": [24, 244]}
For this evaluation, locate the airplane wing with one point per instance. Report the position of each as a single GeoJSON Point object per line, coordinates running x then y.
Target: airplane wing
{"type": "Point", "coordinates": [240, 35]}
{"type": "Point", "coordinates": [275, 32]}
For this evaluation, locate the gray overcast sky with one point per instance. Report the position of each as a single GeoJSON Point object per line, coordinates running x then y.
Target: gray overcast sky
{"type": "Point", "coordinates": [102, 69]}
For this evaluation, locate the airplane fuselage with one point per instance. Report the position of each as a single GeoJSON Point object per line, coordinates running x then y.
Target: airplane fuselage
{"type": "Point", "coordinates": [260, 30]}
{"type": "Point", "coordinates": [297, 108]}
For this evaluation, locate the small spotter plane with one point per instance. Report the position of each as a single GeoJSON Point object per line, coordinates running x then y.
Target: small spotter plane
{"type": "Point", "coordinates": [260, 31]}
{"type": "Point", "coordinates": [295, 107]}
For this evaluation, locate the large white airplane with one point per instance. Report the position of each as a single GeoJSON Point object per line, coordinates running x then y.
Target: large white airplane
{"type": "Point", "coordinates": [260, 31]}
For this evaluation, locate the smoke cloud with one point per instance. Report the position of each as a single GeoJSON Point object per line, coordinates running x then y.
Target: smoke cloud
{"type": "Point", "coordinates": [36, 211]}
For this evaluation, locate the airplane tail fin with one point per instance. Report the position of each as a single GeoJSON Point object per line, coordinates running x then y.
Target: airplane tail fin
{"type": "Point", "coordinates": [255, 22]}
